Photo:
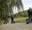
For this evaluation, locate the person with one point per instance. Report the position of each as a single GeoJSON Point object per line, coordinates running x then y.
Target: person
{"type": "Point", "coordinates": [30, 13]}
{"type": "Point", "coordinates": [12, 19]}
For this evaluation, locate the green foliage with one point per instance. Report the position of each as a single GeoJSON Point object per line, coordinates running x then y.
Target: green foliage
{"type": "Point", "coordinates": [12, 2]}
{"type": "Point", "coordinates": [21, 14]}
{"type": "Point", "coordinates": [4, 6]}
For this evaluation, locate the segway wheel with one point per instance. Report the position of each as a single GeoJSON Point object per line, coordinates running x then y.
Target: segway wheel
{"type": "Point", "coordinates": [14, 22]}
{"type": "Point", "coordinates": [27, 23]}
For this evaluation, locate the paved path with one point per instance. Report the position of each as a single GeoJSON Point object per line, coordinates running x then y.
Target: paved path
{"type": "Point", "coordinates": [17, 26]}
{"type": "Point", "coordinates": [23, 26]}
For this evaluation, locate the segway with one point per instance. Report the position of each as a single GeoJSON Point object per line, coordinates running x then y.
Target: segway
{"type": "Point", "coordinates": [29, 20]}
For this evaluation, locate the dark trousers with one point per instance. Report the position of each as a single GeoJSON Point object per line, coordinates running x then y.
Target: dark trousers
{"type": "Point", "coordinates": [12, 20]}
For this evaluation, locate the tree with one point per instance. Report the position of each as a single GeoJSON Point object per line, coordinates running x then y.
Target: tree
{"type": "Point", "coordinates": [5, 3]}
{"type": "Point", "coordinates": [6, 6]}
{"type": "Point", "coordinates": [18, 3]}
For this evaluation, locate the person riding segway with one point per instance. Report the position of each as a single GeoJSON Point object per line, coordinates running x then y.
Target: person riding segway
{"type": "Point", "coordinates": [12, 19]}
{"type": "Point", "coordinates": [29, 15]}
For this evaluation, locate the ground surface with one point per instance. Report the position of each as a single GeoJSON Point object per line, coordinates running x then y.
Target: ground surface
{"type": "Point", "coordinates": [16, 26]}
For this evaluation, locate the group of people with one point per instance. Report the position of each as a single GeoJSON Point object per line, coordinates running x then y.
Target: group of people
{"type": "Point", "coordinates": [29, 15]}
{"type": "Point", "coordinates": [12, 18]}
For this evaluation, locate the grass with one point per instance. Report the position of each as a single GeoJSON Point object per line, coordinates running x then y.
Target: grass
{"type": "Point", "coordinates": [21, 19]}
{"type": "Point", "coordinates": [18, 20]}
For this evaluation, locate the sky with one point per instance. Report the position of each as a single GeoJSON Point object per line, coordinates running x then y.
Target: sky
{"type": "Point", "coordinates": [27, 4]}
{"type": "Point", "coordinates": [15, 10]}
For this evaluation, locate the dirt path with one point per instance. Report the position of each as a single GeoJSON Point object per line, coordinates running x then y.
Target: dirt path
{"type": "Point", "coordinates": [17, 26]}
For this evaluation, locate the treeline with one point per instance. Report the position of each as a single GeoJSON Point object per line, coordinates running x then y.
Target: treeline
{"type": "Point", "coordinates": [23, 13]}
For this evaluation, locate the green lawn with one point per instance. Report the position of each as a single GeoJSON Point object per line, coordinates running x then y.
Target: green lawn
{"type": "Point", "coordinates": [21, 19]}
